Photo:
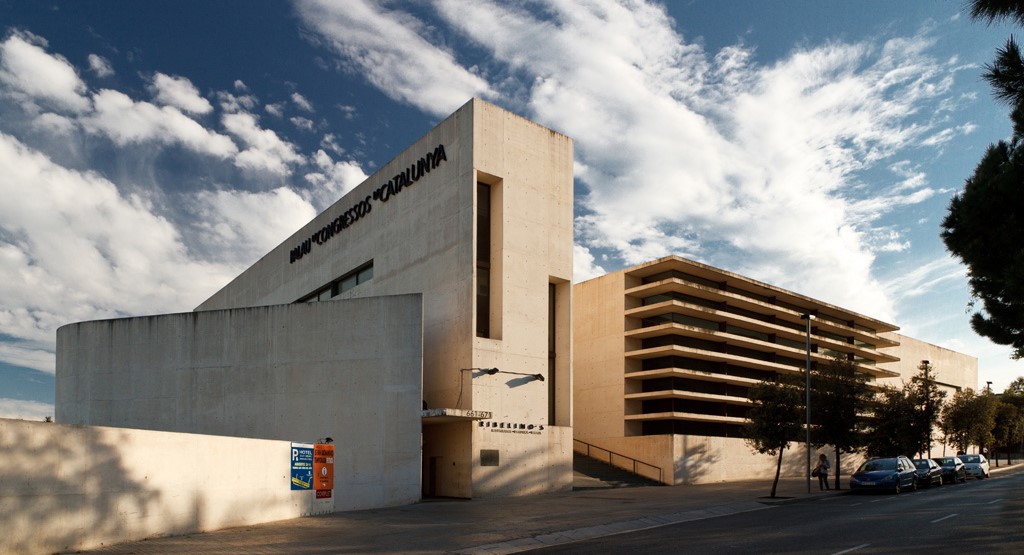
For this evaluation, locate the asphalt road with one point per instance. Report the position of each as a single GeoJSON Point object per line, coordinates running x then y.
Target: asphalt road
{"type": "Point", "coordinates": [983, 516]}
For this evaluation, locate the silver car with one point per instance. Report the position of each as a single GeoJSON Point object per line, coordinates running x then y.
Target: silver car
{"type": "Point", "coordinates": [976, 466]}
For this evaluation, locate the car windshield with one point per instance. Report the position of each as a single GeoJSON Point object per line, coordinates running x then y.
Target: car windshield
{"type": "Point", "coordinates": [947, 461]}
{"type": "Point", "coordinates": [879, 464]}
{"type": "Point", "coordinates": [921, 463]}
{"type": "Point", "coordinates": [970, 458]}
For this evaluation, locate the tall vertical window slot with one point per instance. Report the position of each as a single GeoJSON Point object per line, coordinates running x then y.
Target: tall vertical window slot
{"type": "Point", "coordinates": [552, 358]}
{"type": "Point", "coordinates": [483, 260]}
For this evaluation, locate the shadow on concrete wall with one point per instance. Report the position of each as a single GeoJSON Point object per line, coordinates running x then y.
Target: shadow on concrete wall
{"type": "Point", "coordinates": [692, 469]}
{"type": "Point", "coordinates": [69, 487]}
{"type": "Point", "coordinates": [517, 477]}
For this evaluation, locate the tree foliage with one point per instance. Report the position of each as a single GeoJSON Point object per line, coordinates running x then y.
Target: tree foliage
{"type": "Point", "coordinates": [969, 418]}
{"type": "Point", "coordinates": [775, 418]}
{"type": "Point", "coordinates": [985, 220]}
{"type": "Point", "coordinates": [984, 228]}
{"type": "Point", "coordinates": [926, 399]}
{"type": "Point", "coordinates": [902, 419]}
{"type": "Point", "coordinates": [840, 397]}
{"type": "Point", "coordinates": [998, 10]}
{"type": "Point", "coordinates": [887, 433]}
{"type": "Point", "coordinates": [1009, 425]}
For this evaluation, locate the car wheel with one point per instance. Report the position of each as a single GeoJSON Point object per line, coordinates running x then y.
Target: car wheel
{"type": "Point", "coordinates": [897, 486]}
{"type": "Point", "coordinates": [913, 485]}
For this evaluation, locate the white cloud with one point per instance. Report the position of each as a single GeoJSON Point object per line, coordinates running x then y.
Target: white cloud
{"type": "Point", "coordinates": [713, 155]}
{"type": "Point", "coordinates": [349, 111]}
{"type": "Point", "coordinates": [386, 47]}
{"type": "Point", "coordinates": [583, 265]}
{"type": "Point", "coordinates": [276, 110]}
{"type": "Point", "coordinates": [330, 142]}
{"type": "Point", "coordinates": [180, 93]}
{"type": "Point", "coordinates": [54, 123]}
{"type": "Point", "coordinates": [236, 103]}
{"type": "Point", "coordinates": [34, 75]}
{"type": "Point", "coordinates": [266, 150]}
{"type": "Point", "coordinates": [302, 123]}
{"type": "Point", "coordinates": [301, 102]}
{"type": "Point", "coordinates": [333, 180]}
{"type": "Point", "coordinates": [244, 225]}
{"type": "Point", "coordinates": [924, 278]}
{"type": "Point", "coordinates": [58, 265]}
{"type": "Point", "coordinates": [100, 66]}
{"type": "Point", "coordinates": [125, 121]}
{"type": "Point", "coordinates": [24, 410]}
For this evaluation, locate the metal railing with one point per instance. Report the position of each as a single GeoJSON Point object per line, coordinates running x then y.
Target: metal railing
{"type": "Point", "coordinates": [637, 465]}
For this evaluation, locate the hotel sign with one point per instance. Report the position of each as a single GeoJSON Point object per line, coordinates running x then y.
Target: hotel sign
{"type": "Point", "coordinates": [383, 193]}
{"type": "Point", "coordinates": [302, 466]}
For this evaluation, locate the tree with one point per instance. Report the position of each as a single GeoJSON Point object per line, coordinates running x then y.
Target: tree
{"type": "Point", "coordinates": [1009, 425]}
{"type": "Point", "coordinates": [997, 10]}
{"type": "Point", "coordinates": [776, 418]}
{"type": "Point", "coordinates": [983, 227]}
{"type": "Point", "coordinates": [1014, 395]}
{"type": "Point", "coordinates": [887, 434]}
{"type": "Point", "coordinates": [926, 400]}
{"type": "Point", "coordinates": [986, 219]}
{"type": "Point", "coordinates": [969, 418]}
{"type": "Point", "coordinates": [840, 397]}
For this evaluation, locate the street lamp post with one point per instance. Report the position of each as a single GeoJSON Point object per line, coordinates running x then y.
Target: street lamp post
{"type": "Point", "coordinates": [807, 399]}
{"type": "Point", "coordinates": [928, 404]}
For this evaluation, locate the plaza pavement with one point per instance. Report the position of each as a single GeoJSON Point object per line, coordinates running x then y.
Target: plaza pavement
{"type": "Point", "coordinates": [488, 526]}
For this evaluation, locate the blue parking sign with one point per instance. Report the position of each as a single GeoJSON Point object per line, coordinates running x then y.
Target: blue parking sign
{"type": "Point", "coordinates": [302, 466]}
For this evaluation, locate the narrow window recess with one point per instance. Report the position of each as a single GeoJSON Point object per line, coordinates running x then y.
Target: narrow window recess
{"type": "Point", "coordinates": [360, 275]}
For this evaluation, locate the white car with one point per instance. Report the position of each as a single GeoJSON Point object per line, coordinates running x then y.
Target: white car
{"type": "Point", "coordinates": [976, 466]}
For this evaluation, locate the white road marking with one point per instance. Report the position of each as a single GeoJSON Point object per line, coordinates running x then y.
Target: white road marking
{"type": "Point", "coordinates": [861, 546]}
{"type": "Point", "coordinates": [943, 518]}
{"type": "Point", "coordinates": [993, 501]}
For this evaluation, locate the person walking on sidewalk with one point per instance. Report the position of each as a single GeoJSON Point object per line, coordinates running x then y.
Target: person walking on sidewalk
{"type": "Point", "coordinates": [822, 472]}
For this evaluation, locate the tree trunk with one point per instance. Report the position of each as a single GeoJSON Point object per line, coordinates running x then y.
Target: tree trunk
{"type": "Point", "coordinates": [778, 469]}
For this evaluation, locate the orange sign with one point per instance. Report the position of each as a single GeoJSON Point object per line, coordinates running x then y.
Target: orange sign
{"type": "Point", "coordinates": [323, 466]}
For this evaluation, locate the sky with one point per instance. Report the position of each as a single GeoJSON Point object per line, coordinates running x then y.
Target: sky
{"type": "Point", "coordinates": [151, 151]}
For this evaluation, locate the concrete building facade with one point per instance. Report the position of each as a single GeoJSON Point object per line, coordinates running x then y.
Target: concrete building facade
{"type": "Point", "coordinates": [666, 351]}
{"type": "Point", "coordinates": [473, 222]}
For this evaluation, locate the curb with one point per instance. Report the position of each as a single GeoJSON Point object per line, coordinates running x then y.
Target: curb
{"type": "Point", "coordinates": [802, 498]}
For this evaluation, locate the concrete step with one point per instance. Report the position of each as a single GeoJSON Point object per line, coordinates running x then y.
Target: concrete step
{"type": "Point", "coordinates": [590, 473]}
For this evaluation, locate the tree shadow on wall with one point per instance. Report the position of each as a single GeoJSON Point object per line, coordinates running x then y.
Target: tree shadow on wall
{"type": "Point", "coordinates": [69, 487]}
{"type": "Point", "coordinates": [696, 463]}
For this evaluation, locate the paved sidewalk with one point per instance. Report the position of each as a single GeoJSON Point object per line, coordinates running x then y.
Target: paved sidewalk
{"type": "Point", "coordinates": [491, 526]}
{"type": "Point", "coordinates": [502, 525]}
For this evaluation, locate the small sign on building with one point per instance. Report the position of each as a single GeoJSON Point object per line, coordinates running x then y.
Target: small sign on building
{"type": "Point", "coordinates": [323, 469]}
{"type": "Point", "coordinates": [302, 466]}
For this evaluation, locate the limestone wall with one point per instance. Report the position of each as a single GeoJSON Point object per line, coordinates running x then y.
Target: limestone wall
{"type": "Point", "coordinates": [65, 488]}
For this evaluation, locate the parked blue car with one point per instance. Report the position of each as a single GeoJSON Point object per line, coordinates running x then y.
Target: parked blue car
{"type": "Point", "coordinates": [895, 474]}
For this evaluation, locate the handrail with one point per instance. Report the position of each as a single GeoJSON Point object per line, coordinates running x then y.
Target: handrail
{"type": "Point", "coordinates": [612, 453]}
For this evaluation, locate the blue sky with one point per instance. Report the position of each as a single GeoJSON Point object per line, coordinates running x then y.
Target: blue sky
{"type": "Point", "coordinates": [151, 151]}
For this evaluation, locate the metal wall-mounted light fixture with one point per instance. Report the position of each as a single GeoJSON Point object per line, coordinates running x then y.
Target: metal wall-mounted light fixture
{"type": "Point", "coordinates": [493, 371]}
{"type": "Point", "coordinates": [488, 371]}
